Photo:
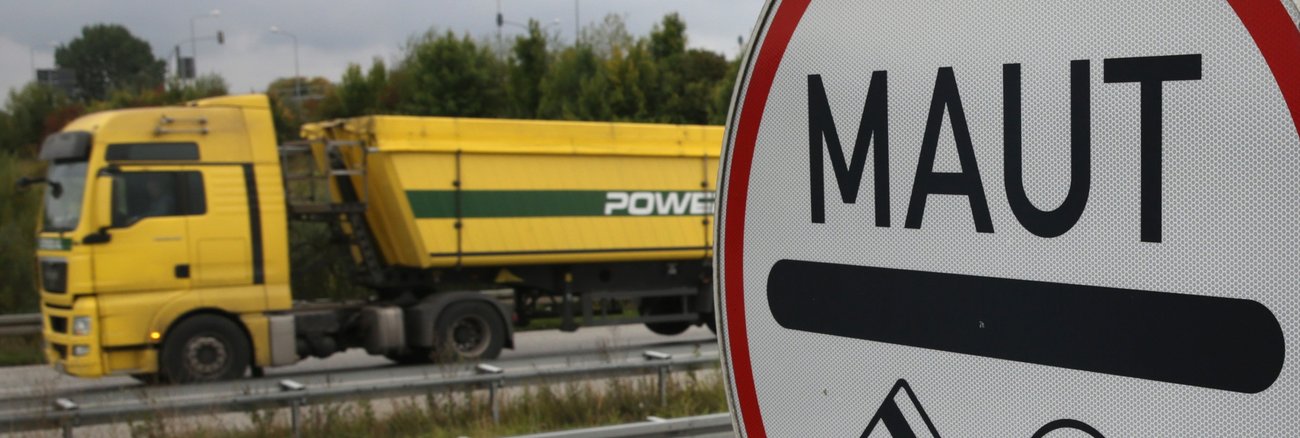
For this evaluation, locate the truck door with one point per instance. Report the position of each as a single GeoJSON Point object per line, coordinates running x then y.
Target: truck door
{"type": "Point", "coordinates": [149, 248]}
{"type": "Point", "coordinates": [222, 249]}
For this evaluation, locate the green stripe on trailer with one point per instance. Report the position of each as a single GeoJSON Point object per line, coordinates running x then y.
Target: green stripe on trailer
{"type": "Point", "coordinates": [437, 204]}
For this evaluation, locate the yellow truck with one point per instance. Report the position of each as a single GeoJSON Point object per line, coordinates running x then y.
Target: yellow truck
{"type": "Point", "coordinates": [164, 250]}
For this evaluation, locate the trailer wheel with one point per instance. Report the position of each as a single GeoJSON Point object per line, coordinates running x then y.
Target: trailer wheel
{"type": "Point", "coordinates": [469, 331]}
{"type": "Point", "coordinates": [205, 348]}
{"type": "Point", "coordinates": [663, 306]}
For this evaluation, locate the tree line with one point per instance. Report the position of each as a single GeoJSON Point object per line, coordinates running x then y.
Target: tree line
{"type": "Point", "coordinates": [606, 75]}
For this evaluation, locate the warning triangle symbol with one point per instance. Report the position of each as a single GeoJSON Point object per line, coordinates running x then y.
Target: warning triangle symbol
{"type": "Point", "coordinates": [893, 416]}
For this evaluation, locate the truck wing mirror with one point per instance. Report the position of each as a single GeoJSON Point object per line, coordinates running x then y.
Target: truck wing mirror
{"type": "Point", "coordinates": [100, 236]}
{"type": "Point", "coordinates": [56, 188]}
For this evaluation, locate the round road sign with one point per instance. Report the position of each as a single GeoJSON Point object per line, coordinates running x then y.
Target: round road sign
{"type": "Point", "coordinates": [1014, 219]}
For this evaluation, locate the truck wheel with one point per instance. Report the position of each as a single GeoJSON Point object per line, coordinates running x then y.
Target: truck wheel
{"type": "Point", "coordinates": [663, 306]}
{"type": "Point", "coordinates": [469, 331]}
{"type": "Point", "coordinates": [205, 348]}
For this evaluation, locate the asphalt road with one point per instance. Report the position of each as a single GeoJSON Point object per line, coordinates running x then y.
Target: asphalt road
{"type": "Point", "coordinates": [27, 388]}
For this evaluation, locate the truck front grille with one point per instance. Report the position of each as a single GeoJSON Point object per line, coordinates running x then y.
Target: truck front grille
{"type": "Point", "coordinates": [59, 324]}
{"type": "Point", "coordinates": [61, 349]}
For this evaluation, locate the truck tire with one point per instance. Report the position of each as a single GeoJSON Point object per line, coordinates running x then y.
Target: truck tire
{"type": "Point", "coordinates": [205, 348]}
{"type": "Point", "coordinates": [663, 306]}
{"type": "Point", "coordinates": [469, 331]}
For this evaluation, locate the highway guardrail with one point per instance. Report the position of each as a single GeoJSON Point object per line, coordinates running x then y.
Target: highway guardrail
{"type": "Point", "coordinates": [65, 413]}
{"type": "Point", "coordinates": [20, 324]}
{"type": "Point", "coordinates": [712, 424]}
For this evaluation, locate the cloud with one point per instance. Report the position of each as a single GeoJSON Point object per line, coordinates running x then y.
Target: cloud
{"type": "Point", "coordinates": [16, 70]}
{"type": "Point", "coordinates": [249, 62]}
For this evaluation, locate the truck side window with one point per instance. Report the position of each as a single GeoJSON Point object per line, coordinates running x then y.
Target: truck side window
{"type": "Point", "coordinates": [139, 195]}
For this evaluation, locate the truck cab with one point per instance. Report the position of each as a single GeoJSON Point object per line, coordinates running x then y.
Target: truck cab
{"type": "Point", "coordinates": [163, 247]}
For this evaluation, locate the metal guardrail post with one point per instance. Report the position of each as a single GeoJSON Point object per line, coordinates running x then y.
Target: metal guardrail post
{"type": "Point", "coordinates": [66, 424]}
{"type": "Point", "coordinates": [666, 359]}
{"type": "Point", "coordinates": [295, 405]}
{"type": "Point", "coordinates": [567, 323]}
{"type": "Point", "coordinates": [493, 386]}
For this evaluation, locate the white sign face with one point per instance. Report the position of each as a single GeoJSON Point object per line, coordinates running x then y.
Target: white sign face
{"type": "Point", "coordinates": [1014, 219]}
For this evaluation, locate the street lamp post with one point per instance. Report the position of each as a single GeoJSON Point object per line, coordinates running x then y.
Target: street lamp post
{"type": "Point", "coordinates": [501, 21]}
{"type": "Point", "coordinates": [547, 26]}
{"type": "Point", "coordinates": [297, 86]}
{"type": "Point", "coordinates": [194, 46]}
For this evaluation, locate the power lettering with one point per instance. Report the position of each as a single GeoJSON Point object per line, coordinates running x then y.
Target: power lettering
{"type": "Point", "coordinates": [658, 203]}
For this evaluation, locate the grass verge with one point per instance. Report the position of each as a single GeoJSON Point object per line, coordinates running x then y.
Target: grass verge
{"type": "Point", "coordinates": [540, 408]}
{"type": "Point", "coordinates": [21, 350]}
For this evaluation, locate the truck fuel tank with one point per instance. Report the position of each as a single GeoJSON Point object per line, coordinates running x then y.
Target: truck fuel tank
{"type": "Point", "coordinates": [384, 331]}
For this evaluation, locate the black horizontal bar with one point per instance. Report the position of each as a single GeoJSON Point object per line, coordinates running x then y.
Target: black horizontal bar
{"type": "Point", "coordinates": [1213, 342]}
{"type": "Point", "coordinates": [572, 251]}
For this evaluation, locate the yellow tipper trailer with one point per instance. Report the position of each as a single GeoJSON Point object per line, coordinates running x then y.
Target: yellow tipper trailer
{"type": "Point", "coordinates": [163, 252]}
{"type": "Point", "coordinates": [486, 192]}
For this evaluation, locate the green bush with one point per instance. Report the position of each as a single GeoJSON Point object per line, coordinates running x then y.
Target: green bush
{"type": "Point", "coordinates": [319, 267]}
{"type": "Point", "coordinates": [21, 350]}
{"type": "Point", "coordinates": [18, 215]}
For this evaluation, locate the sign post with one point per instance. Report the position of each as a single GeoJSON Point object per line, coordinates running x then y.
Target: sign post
{"type": "Point", "coordinates": [1020, 219]}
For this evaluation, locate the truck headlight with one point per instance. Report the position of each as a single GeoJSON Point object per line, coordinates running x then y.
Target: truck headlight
{"type": "Point", "coordinates": [80, 350]}
{"type": "Point", "coordinates": [81, 325]}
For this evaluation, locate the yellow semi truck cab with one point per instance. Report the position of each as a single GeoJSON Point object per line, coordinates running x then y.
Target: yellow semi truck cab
{"type": "Point", "coordinates": [157, 216]}
{"type": "Point", "coordinates": [163, 250]}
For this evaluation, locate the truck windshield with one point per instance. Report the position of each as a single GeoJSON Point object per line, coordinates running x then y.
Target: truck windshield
{"type": "Point", "coordinates": [67, 182]}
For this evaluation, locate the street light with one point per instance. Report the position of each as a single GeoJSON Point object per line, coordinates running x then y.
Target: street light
{"type": "Point", "coordinates": [194, 47]}
{"type": "Point", "coordinates": [547, 26]}
{"type": "Point", "coordinates": [297, 87]}
{"type": "Point", "coordinates": [501, 22]}
{"type": "Point", "coordinates": [220, 38]}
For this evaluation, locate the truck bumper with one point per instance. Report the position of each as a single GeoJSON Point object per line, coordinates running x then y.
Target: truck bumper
{"type": "Point", "coordinates": [77, 355]}
{"type": "Point", "coordinates": [82, 355]}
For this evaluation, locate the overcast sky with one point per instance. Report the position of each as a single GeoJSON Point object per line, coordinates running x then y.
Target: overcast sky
{"type": "Point", "coordinates": [331, 33]}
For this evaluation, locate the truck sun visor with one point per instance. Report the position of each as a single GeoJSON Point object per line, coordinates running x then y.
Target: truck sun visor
{"type": "Point", "coordinates": [73, 145]}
